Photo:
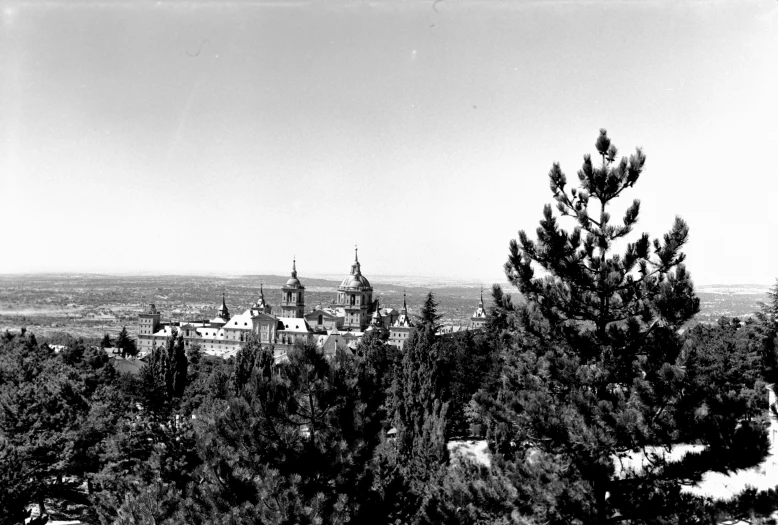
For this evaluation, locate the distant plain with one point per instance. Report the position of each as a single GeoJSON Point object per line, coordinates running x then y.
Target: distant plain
{"type": "Point", "coordinates": [89, 305]}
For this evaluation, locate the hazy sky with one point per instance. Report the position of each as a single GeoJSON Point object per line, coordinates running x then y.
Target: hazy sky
{"type": "Point", "coordinates": [225, 138]}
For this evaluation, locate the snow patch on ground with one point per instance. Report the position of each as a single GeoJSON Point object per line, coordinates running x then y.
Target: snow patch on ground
{"type": "Point", "coordinates": [723, 486]}
{"type": "Point", "coordinates": [476, 450]}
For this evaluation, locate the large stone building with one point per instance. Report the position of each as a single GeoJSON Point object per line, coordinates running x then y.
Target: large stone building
{"type": "Point", "coordinates": [352, 313]}
{"type": "Point", "coordinates": [225, 334]}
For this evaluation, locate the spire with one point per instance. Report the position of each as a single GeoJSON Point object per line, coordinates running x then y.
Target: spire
{"type": "Point", "coordinates": [481, 303]}
{"type": "Point", "coordinates": [377, 314]}
{"type": "Point", "coordinates": [405, 306]}
{"type": "Point", "coordinates": [222, 311]}
{"type": "Point", "coordinates": [261, 301]}
{"type": "Point", "coordinates": [355, 268]}
{"type": "Point", "coordinates": [294, 267]}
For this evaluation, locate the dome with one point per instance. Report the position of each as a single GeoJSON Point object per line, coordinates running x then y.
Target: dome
{"type": "Point", "coordinates": [355, 281]}
{"type": "Point", "coordinates": [293, 282]}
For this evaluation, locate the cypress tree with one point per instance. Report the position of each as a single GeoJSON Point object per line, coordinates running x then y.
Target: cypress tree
{"type": "Point", "coordinates": [429, 311]}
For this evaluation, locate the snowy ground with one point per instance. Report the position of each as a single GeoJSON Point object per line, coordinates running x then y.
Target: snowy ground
{"type": "Point", "coordinates": [474, 449]}
{"type": "Point", "coordinates": [713, 484]}
{"type": "Point", "coordinates": [724, 487]}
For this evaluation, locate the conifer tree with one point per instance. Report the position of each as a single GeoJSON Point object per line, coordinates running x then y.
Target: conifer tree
{"type": "Point", "coordinates": [408, 468]}
{"type": "Point", "coordinates": [767, 328]}
{"type": "Point", "coordinates": [125, 344]}
{"type": "Point", "coordinates": [429, 311]}
{"type": "Point", "coordinates": [164, 378]}
{"type": "Point", "coordinates": [596, 370]}
{"type": "Point", "coordinates": [42, 405]}
{"type": "Point", "coordinates": [294, 444]}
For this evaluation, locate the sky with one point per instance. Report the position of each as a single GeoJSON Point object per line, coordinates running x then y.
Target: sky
{"type": "Point", "coordinates": [231, 137]}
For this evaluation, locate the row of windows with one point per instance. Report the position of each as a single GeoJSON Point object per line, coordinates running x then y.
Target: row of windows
{"type": "Point", "coordinates": [353, 299]}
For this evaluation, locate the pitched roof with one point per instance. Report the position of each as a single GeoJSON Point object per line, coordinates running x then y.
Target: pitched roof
{"type": "Point", "coordinates": [324, 313]}
{"type": "Point", "coordinates": [294, 324]}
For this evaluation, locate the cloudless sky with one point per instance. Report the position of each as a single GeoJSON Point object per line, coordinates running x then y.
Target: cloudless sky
{"type": "Point", "coordinates": [226, 138]}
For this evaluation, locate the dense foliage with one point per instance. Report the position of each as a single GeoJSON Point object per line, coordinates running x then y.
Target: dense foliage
{"type": "Point", "coordinates": [578, 386]}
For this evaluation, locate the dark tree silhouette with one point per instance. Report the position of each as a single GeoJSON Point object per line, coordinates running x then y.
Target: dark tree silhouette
{"type": "Point", "coordinates": [595, 370]}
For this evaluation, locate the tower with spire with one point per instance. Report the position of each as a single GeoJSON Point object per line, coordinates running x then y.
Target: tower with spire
{"type": "Point", "coordinates": [293, 296]}
{"type": "Point", "coordinates": [222, 313]}
{"type": "Point", "coordinates": [401, 329]}
{"type": "Point", "coordinates": [260, 306]}
{"type": "Point", "coordinates": [479, 316]}
{"type": "Point", "coordinates": [355, 296]}
{"type": "Point", "coordinates": [377, 323]}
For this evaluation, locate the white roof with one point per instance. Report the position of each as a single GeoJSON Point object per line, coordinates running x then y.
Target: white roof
{"type": "Point", "coordinates": [240, 322]}
{"type": "Point", "coordinates": [210, 333]}
{"type": "Point", "coordinates": [295, 324]}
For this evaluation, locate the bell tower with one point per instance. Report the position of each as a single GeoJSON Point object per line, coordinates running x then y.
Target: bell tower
{"type": "Point", "coordinates": [293, 296]}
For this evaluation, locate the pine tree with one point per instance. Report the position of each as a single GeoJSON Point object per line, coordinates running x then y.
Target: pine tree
{"type": "Point", "coordinates": [105, 342]}
{"type": "Point", "coordinates": [42, 406]}
{"type": "Point", "coordinates": [294, 441]}
{"type": "Point", "coordinates": [597, 369]}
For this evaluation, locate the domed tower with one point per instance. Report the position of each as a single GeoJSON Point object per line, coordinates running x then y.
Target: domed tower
{"type": "Point", "coordinates": [293, 296]}
{"type": "Point", "coordinates": [355, 295]}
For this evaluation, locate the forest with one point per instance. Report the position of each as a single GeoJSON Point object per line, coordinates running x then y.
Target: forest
{"type": "Point", "coordinates": [586, 363]}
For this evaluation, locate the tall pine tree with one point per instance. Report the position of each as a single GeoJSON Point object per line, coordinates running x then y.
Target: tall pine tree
{"type": "Point", "coordinates": [596, 370]}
